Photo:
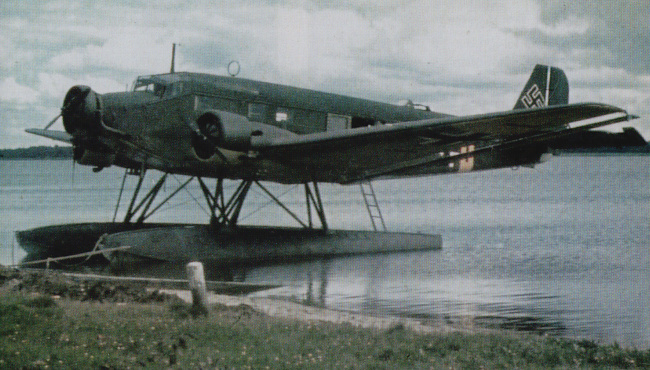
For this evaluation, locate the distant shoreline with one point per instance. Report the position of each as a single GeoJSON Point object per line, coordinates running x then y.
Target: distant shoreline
{"type": "Point", "coordinates": [37, 152]}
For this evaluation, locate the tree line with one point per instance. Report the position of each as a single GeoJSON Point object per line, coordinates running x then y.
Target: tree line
{"type": "Point", "coordinates": [38, 152]}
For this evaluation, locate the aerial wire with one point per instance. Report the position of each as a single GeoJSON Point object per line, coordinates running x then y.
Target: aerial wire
{"type": "Point", "coordinates": [191, 195]}
{"type": "Point", "coordinates": [266, 204]}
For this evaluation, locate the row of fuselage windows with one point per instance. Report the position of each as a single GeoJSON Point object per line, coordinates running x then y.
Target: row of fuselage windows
{"type": "Point", "coordinates": [299, 121]}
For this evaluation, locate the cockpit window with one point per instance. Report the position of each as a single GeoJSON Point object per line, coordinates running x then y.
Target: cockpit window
{"type": "Point", "coordinates": [150, 85]}
{"type": "Point", "coordinates": [175, 89]}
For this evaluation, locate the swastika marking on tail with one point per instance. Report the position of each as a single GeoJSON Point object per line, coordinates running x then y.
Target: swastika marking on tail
{"type": "Point", "coordinates": [533, 97]}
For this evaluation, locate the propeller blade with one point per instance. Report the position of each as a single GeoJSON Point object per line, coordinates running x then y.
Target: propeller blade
{"type": "Point", "coordinates": [76, 99]}
{"type": "Point", "coordinates": [54, 120]}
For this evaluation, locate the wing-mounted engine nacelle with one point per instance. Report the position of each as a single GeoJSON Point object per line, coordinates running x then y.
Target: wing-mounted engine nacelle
{"type": "Point", "coordinates": [82, 111]}
{"type": "Point", "coordinates": [222, 129]}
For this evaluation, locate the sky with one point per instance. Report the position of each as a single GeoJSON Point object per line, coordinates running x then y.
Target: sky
{"type": "Point", "coordinates": [459, 56]}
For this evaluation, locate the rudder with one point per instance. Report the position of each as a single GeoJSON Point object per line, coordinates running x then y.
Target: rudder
{"type": "Point", "coordinates": [536, 94]}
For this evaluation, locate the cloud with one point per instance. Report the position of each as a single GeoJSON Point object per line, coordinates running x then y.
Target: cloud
{"type": "Point", "coordinates": [459, 57]}
{"type": "Point", "coordinates": [12, 92]}
{"type": "Point", "coordinates": [55, 85]}
{"type": "Point", "coordinates": [612, 33]}
{"type": "Point", "coordinates": [293, 45]}
{"type": "Point", "coordinates": [607, 76]}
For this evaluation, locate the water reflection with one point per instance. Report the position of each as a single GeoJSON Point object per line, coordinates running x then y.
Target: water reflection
{"type": "Point", "coordinates": [317, 298]}
{"type": "Point", "coordinates": [373, 285]}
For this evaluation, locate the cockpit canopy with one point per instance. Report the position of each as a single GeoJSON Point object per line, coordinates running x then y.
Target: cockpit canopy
{"type": "Point", "coordinates": [162, 86]}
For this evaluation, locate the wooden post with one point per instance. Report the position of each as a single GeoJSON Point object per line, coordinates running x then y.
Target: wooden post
{"type": "Point", "coordinates": [196, 279]}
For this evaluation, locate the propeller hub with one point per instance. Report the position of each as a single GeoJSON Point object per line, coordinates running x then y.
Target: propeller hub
{"type": "Point", "coordinates": [81, 110]}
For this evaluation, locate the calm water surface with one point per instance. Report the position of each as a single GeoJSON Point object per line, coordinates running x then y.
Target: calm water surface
{"type": "Point", "coordinates": [562, 249]}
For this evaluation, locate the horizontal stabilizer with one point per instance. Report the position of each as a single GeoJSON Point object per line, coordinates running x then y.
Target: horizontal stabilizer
{"type": "Point", "coordinates": [630, 137]}
{"type": "Point", "coordinates": [51, 134]}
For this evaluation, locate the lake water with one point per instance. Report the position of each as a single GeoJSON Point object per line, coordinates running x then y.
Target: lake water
{"type": "Point", "coordinates": [562, 249]}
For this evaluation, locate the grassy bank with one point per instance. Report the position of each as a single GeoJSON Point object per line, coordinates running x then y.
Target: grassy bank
{"type": "Point", "coordinates": [38, 331]}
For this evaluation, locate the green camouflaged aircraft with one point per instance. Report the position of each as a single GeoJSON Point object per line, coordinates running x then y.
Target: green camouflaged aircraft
{"type": "Point", "coordinates": [221, 127]}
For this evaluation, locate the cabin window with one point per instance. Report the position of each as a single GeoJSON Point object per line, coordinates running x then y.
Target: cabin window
{"type": "Point", "coordinates": [307, 122]}
{"type": "Point", "coordinates": [362, 122]}
{"type": "Point", "coordinates": [257, 112]}
{"type": "Point", "coordinates": [299, 121]}
{"type": "Point", "coordinates": [337, 122]}
{"type": "Point", "coordinates": [210, 102]}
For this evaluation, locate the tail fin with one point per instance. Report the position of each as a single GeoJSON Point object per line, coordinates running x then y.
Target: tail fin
{"type": "Point", "coordinates": [546, 86]}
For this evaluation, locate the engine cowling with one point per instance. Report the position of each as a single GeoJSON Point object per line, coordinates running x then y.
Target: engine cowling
{"type": "Point", "coordinates": [82, 110]}
{"type": "Point", "coordinates": [223, 129]}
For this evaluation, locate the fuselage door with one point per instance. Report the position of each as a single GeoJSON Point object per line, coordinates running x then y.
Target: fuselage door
{"type": "Point", "coordinates": [338, 122]}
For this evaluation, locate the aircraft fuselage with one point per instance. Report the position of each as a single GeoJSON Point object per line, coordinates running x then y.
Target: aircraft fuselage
{"type": "Point", "coordinates": [205, 125]}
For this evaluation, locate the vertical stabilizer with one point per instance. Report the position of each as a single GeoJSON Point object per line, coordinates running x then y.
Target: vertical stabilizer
{"type": "Point", "coordinates": [546, 86]}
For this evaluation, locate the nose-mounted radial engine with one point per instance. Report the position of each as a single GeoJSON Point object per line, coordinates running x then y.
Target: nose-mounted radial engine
{"type": "Point", "coordinates": [82, 119]}
{"type": "Point", "coordinates": [81, 110]}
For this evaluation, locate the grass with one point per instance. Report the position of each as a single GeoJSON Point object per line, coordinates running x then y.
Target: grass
{"type": "Point", "coordinates": [40, 332]}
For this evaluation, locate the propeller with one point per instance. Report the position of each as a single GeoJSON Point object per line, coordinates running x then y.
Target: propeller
{"type": "Point", "coordinates": [73, 99]}
{"type": "Point", "coordinates": [76, 99]}
{"type": "Point", "coordinates": [204, 135]}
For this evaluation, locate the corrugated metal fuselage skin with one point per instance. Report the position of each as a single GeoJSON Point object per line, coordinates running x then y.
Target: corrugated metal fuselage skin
{"type": "Point", "coordinates": [160, 129]}
{"type": "Point", "coordinates": [160, 133]}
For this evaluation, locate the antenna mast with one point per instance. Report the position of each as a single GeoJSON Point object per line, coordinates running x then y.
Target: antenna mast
{"type": "Point", "coordinates": [173, 55]}
{"type": "Point", "coordinates": [548, 82]}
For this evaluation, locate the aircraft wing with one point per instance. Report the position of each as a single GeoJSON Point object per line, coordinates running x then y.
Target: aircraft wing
{"type": "Point", "coordinates": [400, 148]}
{"type": "Point", "coordinates": [52, 134]}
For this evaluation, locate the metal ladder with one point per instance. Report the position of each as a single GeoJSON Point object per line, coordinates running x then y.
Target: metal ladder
{"type": "Point", "coordinates": [372, 206]}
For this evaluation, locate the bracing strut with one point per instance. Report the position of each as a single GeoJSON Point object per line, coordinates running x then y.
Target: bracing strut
{"type": "Point", "coordinates": [223, 211]}
{"type": "Point", "coordinates": [226, 213]}
{"type": "Point", "coordinates": [148, 199]}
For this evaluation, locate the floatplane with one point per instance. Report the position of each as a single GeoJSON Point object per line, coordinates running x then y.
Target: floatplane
{"type": "Point", "coordinates": [225, 128]}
